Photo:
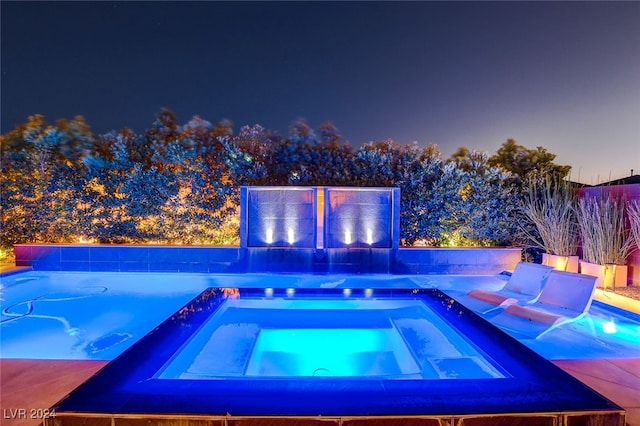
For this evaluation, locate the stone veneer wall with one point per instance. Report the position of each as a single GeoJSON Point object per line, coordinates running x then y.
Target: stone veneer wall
{"type": "Point", "coordinates": [128, 258]}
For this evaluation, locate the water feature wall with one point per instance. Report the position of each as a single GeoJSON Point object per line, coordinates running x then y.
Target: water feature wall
{"type": "Point", "coordinates": [362, 217]}
{"type": "Point", "coordinates": [278, 217]}
{"type": "Point", "coordinates": [319, 229]}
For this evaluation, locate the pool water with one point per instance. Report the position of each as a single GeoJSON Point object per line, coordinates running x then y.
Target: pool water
{"type": "Point", "coordinates": [315, 352]}
{"type": "Point", "coordinates": [323, 352]}
{"type": "Point", "coordinates": [53, 315]}
{"type": "Point", "coordinates": [84, 315]}
{"type": "Point", "coordinates": [317, 336]}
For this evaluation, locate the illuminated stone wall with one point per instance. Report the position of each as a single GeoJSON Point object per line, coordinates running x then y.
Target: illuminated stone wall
{"type": "Point", "coordinates": [123, 258]}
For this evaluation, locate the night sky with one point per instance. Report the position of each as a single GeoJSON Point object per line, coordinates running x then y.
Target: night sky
{"type": "Point", "coordinates": [565, 76]}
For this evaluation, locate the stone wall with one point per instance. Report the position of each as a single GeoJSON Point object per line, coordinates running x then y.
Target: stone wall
{"type": "Point", "coordinates": [130, 258]}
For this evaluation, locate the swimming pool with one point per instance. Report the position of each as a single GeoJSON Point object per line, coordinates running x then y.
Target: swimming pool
{"type": "Point", "coordinates": [315, 352]}
{"type": "Point", "coordinates": [84, 315]}
{"type": "Point", "coordinates": [319, 335]}
{"type": "Point", "coordinates": [97, 315]}
{"type": "Point", "coordinates": [67, 315]}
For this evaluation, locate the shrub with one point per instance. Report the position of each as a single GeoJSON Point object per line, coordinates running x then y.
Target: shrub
{"type": "Point", "coordinates": [605, 239]}
{"type": "Point", "coordinates": [550, 206]}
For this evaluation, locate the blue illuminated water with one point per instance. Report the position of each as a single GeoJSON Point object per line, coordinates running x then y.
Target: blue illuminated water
{"type": "Point", "coordinates": [315, 352]}
{"type": "Point", "coordinates": [82, 315]}
{"type": "Point", "coordinates": [54, 315]}
{"type": "Point", "coordinates": [310, 337]}
{"type": "Point", "coordinates": [342, 352]}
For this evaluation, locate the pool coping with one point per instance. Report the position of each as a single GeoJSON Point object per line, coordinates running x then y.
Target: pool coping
{"type": "Point", "coordinates": [604, 418]}
{"type": "Point", "coordinates": [7, 270]}
{"type": "Point", "coordinates": [617, 301]}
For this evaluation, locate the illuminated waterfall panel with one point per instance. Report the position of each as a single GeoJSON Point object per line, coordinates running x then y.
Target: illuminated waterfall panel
{"type": "Point", "coordinates": [361, 217]}
{"type": "Point", "coordinates": [319, 229]}
{"type": "Point", "coordinates": [278, 217]}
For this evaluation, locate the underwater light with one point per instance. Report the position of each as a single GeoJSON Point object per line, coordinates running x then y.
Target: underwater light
{"type": "Point", "coordinates": [368, 292]}
{"type": "Point", "coordinates": [290, 236]}
{"type": "Point", "coordinates": [609, 327]}
{"type": "Point", "coordinates": [369, 236]}
{"type": "Point", "coordinates": [346, 292]}
{"type": "Point", "coordinates": [268, 292]}
{"type": "Point", "coordinates": [269, 236]}
{"type": "Point", "coordinates": [291, 292]}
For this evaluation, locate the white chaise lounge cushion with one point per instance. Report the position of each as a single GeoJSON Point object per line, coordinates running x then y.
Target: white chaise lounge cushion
{"type": "Point", "coordinates": [566, 297]}
{"type": "Point", "coordinates": [525, 284]}
{"type": "Point", "coordinates": [569, 290]}
{"type": "Point", "coordinates": [528, 278]}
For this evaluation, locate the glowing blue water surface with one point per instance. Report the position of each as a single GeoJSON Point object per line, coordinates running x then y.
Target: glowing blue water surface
{"type": "Point", "coordinates": [316, 336]}
{"type": "Point", "coordinates": [81, 315]}
{"type": "Point", "coordinates": [395, 352]}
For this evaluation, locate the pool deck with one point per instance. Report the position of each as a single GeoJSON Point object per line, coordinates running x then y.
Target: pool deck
{"type": "Point", "coordinates": [29, 384]}
{"type": "Point", "coordinates": [616, 379]}
{"type": "Point", "coordinates": [8, 269]}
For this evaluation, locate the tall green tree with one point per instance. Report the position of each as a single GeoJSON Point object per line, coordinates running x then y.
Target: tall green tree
{"type": "Point", "coordinates": [525, 163]}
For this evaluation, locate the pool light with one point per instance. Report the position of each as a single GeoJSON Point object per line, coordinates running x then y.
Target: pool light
{"type": "Point", "coordinates": [346, 292]}
{"type": "Point", "coordinates": [268, 292]}
{"type": "Point", "coordinates": [290, 236]}
{"type": "Point", "coordinates": [347, 236]}
{"type": "Point", "coordinates": [291, 292]}
{"type": "Point", "coordinates": [368, 292]}
{"type": "Point", "coordinates": [369, 236]}
{"type": "Point", "coordinates": [269, 236]}
{"type": "Point", "coordinates": [609, 327]}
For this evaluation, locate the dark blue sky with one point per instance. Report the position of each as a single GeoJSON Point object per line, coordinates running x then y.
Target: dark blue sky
{"type": "Point", "coordinates": [563, 75]}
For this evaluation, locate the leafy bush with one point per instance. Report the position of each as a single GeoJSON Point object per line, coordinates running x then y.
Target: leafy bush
{"type": "Point", "coordinates": [177, 184]}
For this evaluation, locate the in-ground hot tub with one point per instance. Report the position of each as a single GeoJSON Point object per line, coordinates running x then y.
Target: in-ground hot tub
{"type": "Point", "coordinates": [339, 354]}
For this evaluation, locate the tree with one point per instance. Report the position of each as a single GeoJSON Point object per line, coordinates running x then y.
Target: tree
{"type": "Point", "coordinates": [470, 160]}
{"type": "Point", "coordinates": [526, 163]}
{"type": "Point", "coordinates": [300, 132]}
{"type": "Point", "coordinates": [248, 156]}
{"type": "Point", "coordinates": [329, 133]}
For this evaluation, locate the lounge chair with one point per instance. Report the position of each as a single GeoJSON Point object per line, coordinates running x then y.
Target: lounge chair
{"type": "Point", "coordinates": [524, 285]}
{"type": "Point", "coordinates": [565, 298]}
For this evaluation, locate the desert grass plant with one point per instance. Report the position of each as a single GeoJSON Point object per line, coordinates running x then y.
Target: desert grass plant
{"type": "Point", "coordinates": [633, 211]}
{"type": "Point", "coordinates": [551, 205]}
{"type": "Point", "coordinates": [605, 238]}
